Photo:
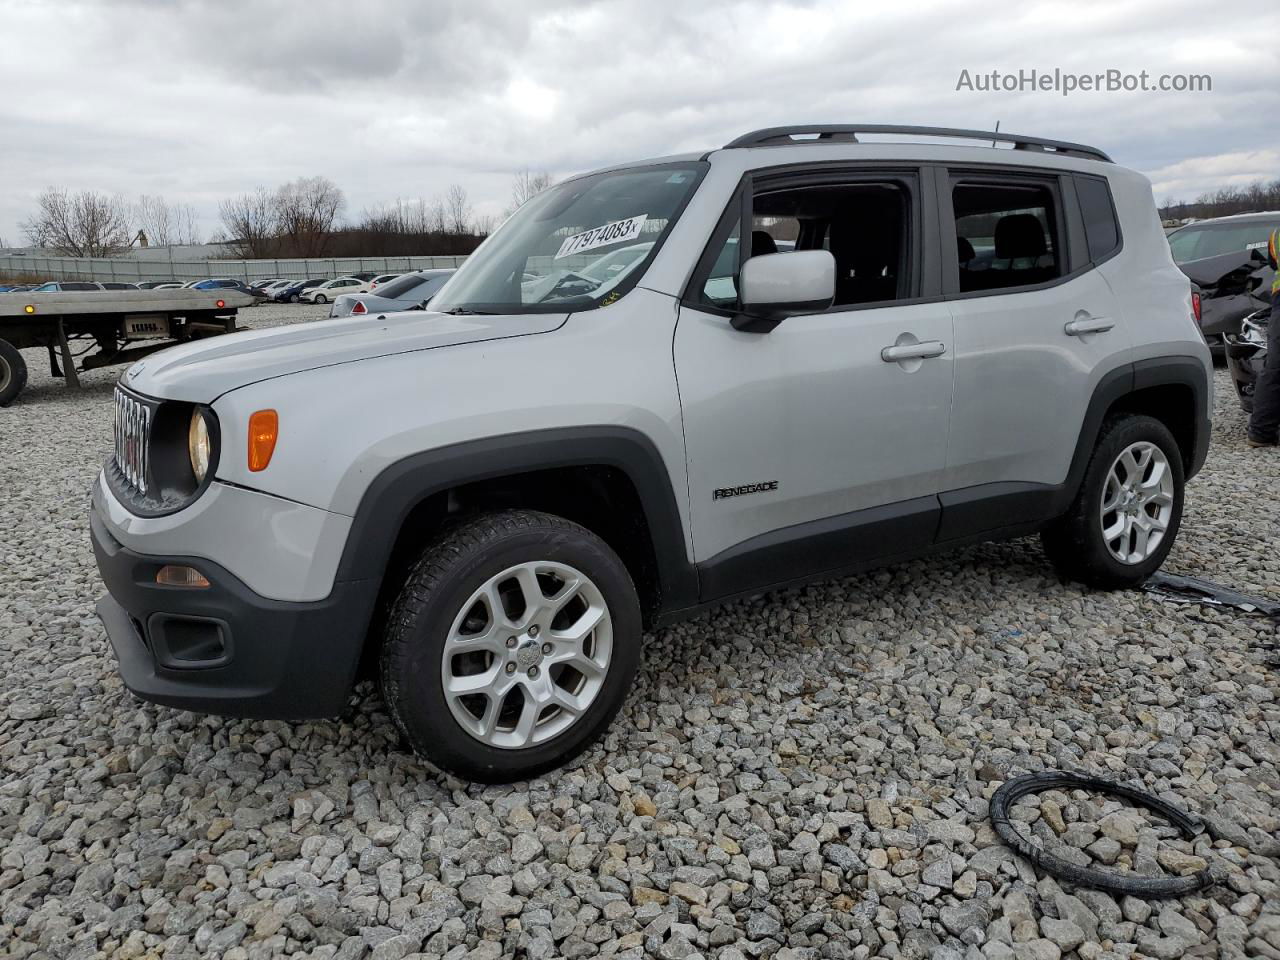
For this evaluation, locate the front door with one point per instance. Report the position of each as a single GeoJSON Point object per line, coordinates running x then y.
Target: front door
{"type": "Point", "coordinates": [821, 443]}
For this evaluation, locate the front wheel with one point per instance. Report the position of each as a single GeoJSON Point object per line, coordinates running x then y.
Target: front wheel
{"type": "Point", "coordinates": [13, 372]}
{"type": "Point", "coordinates": [511, 646]}
{"type": "Point", "coordinates": [294, 298]}
{"type": "Point", "coordinates": [1123, 521]}
{"type": "Point", "coordinates": [320, 298]}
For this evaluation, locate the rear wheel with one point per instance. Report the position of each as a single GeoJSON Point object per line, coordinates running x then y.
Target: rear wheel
{"type": "Point", "coordinates": [1124, 519]}
{"type": "Point", "coordinates": [511, 646]}
{"type": "Point", "coordinates": [13, 372]}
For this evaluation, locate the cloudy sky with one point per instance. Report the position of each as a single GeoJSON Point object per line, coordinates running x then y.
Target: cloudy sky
{"type": "Point", "coordinates": [400, 98]}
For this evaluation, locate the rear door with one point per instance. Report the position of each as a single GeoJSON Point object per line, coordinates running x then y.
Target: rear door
{"type": "Point", "coordinates": [1036, 329]}
{"type": "Point", "coordinates": [823, 442]}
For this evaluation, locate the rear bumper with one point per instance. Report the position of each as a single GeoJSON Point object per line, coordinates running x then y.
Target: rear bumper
{"type": "Point", "coordinates": [225, 649]}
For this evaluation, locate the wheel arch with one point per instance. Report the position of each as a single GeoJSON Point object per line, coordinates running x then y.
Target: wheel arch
{"type": "Point", "coordinates": [1174, 390]}
{"type": "Point", "coordinates": [610, 479]}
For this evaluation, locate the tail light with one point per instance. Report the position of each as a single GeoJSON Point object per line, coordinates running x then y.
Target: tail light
{"type": "Point", "coordinates": [1195, 305]}
{"type": "Point", "coordinates": [359, 307]}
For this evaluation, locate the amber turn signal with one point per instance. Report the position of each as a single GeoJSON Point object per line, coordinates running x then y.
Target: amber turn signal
{"type": "Point", "coordinates": [173, 575]}
{"type": "Point", "coordinates": [264, 426]}
{"type": "Point", "coordinates": [29, 308]}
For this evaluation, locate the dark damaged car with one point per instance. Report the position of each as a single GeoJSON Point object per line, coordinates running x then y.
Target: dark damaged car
{"type": "Point", "coordinates": [1227, 260]}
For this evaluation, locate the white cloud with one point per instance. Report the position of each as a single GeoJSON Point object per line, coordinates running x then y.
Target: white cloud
{"type": "Point", "coordinates": [198, 100]}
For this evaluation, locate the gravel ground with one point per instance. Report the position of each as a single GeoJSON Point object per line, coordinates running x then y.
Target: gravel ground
{"type": "Point", "coordinates": [803, 775]}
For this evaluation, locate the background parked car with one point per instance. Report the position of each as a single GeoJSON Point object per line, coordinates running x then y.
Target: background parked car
{"type": "Point", "coordinates": [403, 293]}
{"type": "Point", "coordinates": [330, 289]}
{"type": "Point", "coordinates": [275, 286]}
{"type": "Point", "coordinates": [263, 284]}
{"type": "Point", "coordinates": [118, 285]}
{"type": "Point", "coordinates": [1227, 258]}
{"type": "Point", "coordinates": [172, 285]}
{"type": "Point", "coordinates": [381, 279]}
{"type": "Point", "coordinates": [67, 286]}
{"type": "Point", "coordinates": [227, 283]}
{"type": "Point", "coordinates": [293, 292]}
{"type": "Point", "coordinates": [155, 284]}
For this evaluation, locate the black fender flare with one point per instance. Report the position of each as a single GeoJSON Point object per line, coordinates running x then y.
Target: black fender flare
{"type": "Point", "coordinates": [399, 488]}
{"type": "Point", "coordinates": [1129, 379]}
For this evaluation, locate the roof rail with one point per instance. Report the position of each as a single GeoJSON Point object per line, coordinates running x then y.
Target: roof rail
{"type": "Point", "coordinates": [848, 133]}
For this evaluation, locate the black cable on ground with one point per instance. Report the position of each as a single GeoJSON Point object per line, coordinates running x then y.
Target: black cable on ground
{"type": "Point", "coordinates": [1150, 888]}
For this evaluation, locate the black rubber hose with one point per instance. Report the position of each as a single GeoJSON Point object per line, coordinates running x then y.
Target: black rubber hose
{"type": "Point", "coordinates": [1150, 888]}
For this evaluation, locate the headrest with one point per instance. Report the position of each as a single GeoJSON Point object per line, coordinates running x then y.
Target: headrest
{"type": "Point", "coordinates": [762, 243]}
{"type": "Point", "coordinates": [966, 250]}
{"type": "Point", "coordinates": [1019, 235]}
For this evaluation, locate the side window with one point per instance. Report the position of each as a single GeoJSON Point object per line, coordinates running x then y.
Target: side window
{"type": "Point", "coordinates": [1006, 235]}
{"type": "Point", "coordinates": [863, 224]}
{"type": "Point", "coordinates": [1099, 214]}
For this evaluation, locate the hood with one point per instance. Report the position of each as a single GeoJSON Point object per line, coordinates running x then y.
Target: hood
{"type": "Point", "coordinates": [1231, 269]}
{"type": "Point", "coordinates": [202, 371]}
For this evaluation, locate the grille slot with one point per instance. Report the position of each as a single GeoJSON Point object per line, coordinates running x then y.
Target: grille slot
{"type": "Point", "coordinates": [132, 439]}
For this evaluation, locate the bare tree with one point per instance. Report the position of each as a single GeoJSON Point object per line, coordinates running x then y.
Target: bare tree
{"type": "Point", "coordinates": [84, 224]}
{"type": "Point", "coordinates": [456, 210]}
{"type": "Point", "coordinates": [306, 211]}
{"type": "Point", "coordinates": [251, 223]}
{"type": "Point", "coordinates": [1256, 197]}
{"type": "Point", "coordinates": [526, 186]}
{"type": "Point", "coordinates": [165, 224]}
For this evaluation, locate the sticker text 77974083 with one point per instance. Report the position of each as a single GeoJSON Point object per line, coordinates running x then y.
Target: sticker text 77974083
{"type": "Point", "coordinates": [618, 231]}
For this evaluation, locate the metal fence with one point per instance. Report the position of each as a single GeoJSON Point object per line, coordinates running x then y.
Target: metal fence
{"type": "Point", "coordinates": [133, 271]}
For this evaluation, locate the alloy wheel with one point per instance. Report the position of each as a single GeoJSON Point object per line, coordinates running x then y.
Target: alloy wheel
{"type": "Point", "coordinates": [1137, 502]}
{"type": "Point", "coordinates": [527, 654]}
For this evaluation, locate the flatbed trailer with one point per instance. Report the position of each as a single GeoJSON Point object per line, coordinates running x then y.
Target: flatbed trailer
{"type": "Point", "coordinates": [124, 325]}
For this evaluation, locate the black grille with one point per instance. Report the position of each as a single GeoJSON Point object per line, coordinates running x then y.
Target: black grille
{"type": "Point", "coordinates": [133, 439]}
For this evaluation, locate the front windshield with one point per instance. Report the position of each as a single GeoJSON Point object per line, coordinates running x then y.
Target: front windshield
{"type": "Point", "coordinates": [576, 246]}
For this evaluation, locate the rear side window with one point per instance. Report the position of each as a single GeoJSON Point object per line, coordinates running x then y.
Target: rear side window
{"type": "Point", "coordinates": [1006, 235]}
{"type": "Point", "coordinates": [1100, 226]}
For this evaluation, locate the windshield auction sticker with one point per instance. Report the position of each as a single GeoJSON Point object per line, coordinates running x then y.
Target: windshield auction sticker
{"type": "Point", "coordinates": [617, 232]}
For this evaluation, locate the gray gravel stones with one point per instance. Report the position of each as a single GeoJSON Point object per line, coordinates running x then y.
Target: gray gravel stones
{"type": "Point", "coordinates": [799, 776]}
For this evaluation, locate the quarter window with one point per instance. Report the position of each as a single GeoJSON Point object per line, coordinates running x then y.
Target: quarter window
{"type": "Point", "coordinates": [1006, 236]}
{"type": "Point", "coordinates": [1100, 227]}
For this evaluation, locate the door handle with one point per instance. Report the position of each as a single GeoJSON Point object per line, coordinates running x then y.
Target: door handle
{"type": "Point", "coordinates": [913, 351]}
{"type": "Point", "coordinates": [1086, 324]}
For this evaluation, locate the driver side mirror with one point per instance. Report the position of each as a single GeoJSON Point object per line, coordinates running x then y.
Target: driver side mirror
{"type": "Point", "coordinates": [775, 286]}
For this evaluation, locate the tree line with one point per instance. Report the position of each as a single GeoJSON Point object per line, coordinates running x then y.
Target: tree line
{"type": "Point", "coordinates": [1225, 202]}
{"type": "Point", "coordinates": [302, 218]}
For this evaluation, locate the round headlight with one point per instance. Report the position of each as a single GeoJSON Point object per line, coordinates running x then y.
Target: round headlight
{"type": "Point", "coordinates": [198, 445]}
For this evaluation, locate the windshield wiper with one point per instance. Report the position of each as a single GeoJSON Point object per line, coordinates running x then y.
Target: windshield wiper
{"type": "Point", "coordinates": [466, 312]}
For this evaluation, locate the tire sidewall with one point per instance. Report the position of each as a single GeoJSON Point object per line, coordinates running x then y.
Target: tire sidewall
{"type": "Point", "coordinates": [13, 372]}
{"type": "Point", "coordinates": [421, 708]}
{"type": "Point", "coordinates": [1125, 432]}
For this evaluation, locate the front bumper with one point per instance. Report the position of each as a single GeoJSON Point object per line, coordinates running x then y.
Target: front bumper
{"type": "Point", "coordinates": [225, 649]}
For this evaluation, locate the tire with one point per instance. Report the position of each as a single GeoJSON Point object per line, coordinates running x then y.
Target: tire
{"type": "Point", "coordinates": [320, 298]}
{"type": "Point", "coordinates": [1076, 543]}
{"type": "Point", "coordinates": [499, 736]}
{"type": "Point", "coordinates": [13, 372]}
{"type": "Point", "coordinates": [294, 298]}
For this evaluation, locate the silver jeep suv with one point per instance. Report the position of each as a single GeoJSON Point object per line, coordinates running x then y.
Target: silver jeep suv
{"type": "Point", "coordinates": [657, 386]}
